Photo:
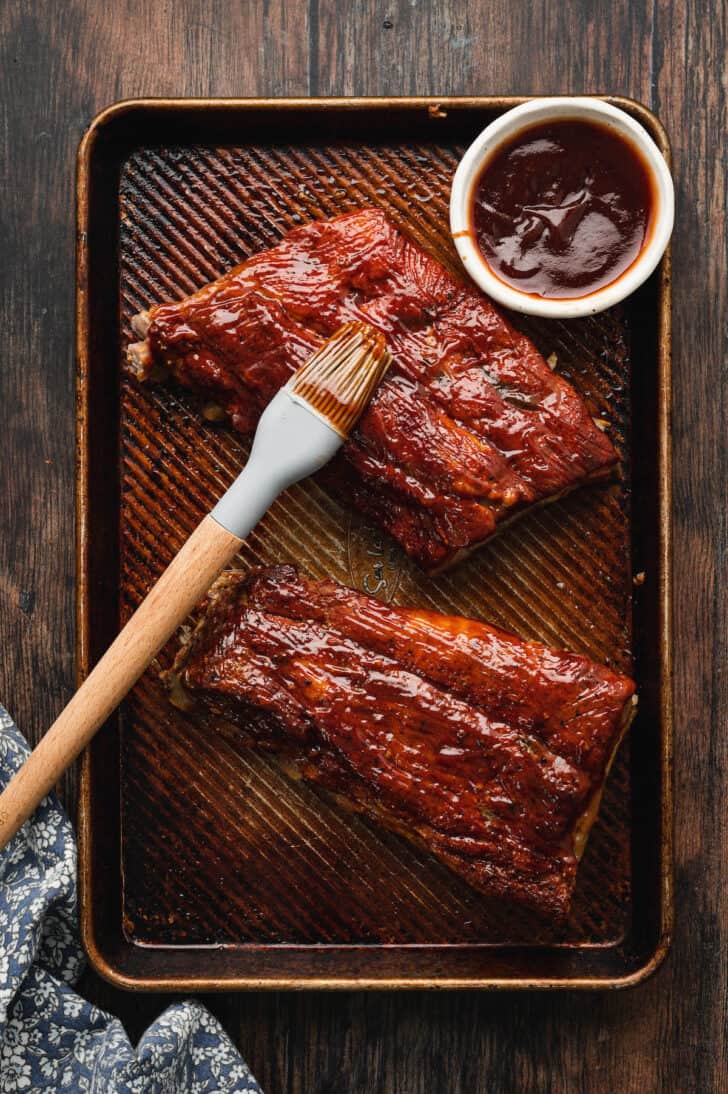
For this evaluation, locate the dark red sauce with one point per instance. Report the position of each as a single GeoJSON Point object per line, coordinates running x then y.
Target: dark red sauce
{"type": "Point", "coordinates": [563, 209]}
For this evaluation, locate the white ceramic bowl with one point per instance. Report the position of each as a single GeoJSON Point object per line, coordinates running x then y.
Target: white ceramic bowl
{"type": "Point", "coordinates": [502, 130]}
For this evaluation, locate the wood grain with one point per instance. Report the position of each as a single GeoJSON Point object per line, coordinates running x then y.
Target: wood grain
{"type": "Point", "coordinates": [64, 61]}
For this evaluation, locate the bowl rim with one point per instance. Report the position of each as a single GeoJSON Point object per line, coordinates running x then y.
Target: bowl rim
{"type": "Point", "coordinates": [502, 130]}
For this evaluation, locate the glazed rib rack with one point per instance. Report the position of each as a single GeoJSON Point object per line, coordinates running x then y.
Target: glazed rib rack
{"type": "Point", "coordinates": [488, 751]}
{"type": "Point", "coordinates": [472, 426]}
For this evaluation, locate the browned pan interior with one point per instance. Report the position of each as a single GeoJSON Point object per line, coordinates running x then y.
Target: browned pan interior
{"type": "Point", "coordinates": [214, 846]}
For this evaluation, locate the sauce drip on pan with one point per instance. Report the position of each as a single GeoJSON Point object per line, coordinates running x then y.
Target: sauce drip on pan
{"type": "Point", "coordinates": [563, 209]}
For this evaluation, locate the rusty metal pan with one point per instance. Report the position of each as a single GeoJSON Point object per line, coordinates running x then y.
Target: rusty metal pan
{"type": "Point", "coordinates": [201, 866]}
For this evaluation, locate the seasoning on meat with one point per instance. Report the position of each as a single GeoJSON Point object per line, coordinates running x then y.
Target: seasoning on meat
{"type": "Point", "coordinates": [488, 751]}
{"type": "Point", "coordinates": [470, 427]}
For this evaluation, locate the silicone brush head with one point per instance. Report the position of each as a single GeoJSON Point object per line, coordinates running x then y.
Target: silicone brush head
{"type": "Point", "coordinates": [341, 377]}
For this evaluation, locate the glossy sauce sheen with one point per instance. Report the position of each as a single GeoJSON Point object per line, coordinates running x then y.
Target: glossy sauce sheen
{"type": "Point", "coordinates": [470, 425]}
{"type": "Point", "coordinates": [485, 749]}
{"type": "Point", "coordinates": [563, 210]}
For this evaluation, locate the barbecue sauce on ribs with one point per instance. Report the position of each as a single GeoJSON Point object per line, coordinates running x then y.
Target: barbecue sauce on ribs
{"type": "Point", "coordinates": [487, 750]}
{"type": "Point", "coordinates": [469, 428]}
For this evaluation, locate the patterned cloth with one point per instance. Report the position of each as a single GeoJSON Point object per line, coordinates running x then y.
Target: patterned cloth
{"type": "Point", "coordinates": [51, 1038]}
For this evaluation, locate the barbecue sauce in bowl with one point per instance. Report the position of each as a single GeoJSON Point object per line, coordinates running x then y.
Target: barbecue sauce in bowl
{"type": "Point", "coordinates": [562, 209]}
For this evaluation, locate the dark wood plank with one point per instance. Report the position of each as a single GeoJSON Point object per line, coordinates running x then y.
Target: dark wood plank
{"type": "Point", "coordinates": [493, 47]}
{"type": "Point", "coordinates": [690, 96]}
{"type": "Point", "coordinates": [61, 63]}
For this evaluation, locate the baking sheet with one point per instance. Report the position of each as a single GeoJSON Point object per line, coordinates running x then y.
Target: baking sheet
{"type": "Point", "coordinates": [201, 865]}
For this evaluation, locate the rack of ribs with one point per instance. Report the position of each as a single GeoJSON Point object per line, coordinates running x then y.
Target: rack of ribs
{"type": "Point", "coordinates": [488, 751]}
{"type": "Point", "coordinates": [471, 426]}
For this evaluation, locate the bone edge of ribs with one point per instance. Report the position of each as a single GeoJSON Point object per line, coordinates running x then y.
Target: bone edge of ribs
{"type": "Point", "coordinates": [182, 698]}
{"type": "Point", "coordinates": [139, 359]}
{"type": "Point", "coordinates": [586, 819]}
{"type": "Point", "coordinates": [463, 553]}
{"type": "Point", "coordinates": [141, 322]}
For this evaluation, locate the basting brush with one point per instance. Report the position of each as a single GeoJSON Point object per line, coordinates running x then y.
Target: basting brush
{"type": "Point", "coordinates": [303, 426]}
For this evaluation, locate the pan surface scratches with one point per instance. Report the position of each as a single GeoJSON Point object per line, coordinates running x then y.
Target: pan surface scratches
{"type": "Point", "coordinates": [217, 845]}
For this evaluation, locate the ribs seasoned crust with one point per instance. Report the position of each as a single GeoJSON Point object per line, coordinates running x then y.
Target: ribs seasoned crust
{"type": "Point", "coordinates": [470, 427]}
{"type": "Point", "coordinates": [487, 750]}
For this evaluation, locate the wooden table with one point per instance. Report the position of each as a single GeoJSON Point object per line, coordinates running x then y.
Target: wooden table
{"type": "Point", "coordinates": [62, 63]}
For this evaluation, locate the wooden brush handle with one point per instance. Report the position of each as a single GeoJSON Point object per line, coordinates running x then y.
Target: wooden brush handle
{"type": "Point", "coordinates": [182, 585]}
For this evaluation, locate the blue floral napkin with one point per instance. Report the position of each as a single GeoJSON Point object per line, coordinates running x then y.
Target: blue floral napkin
{"type": "Point", "coordinates": [51, 1038]}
